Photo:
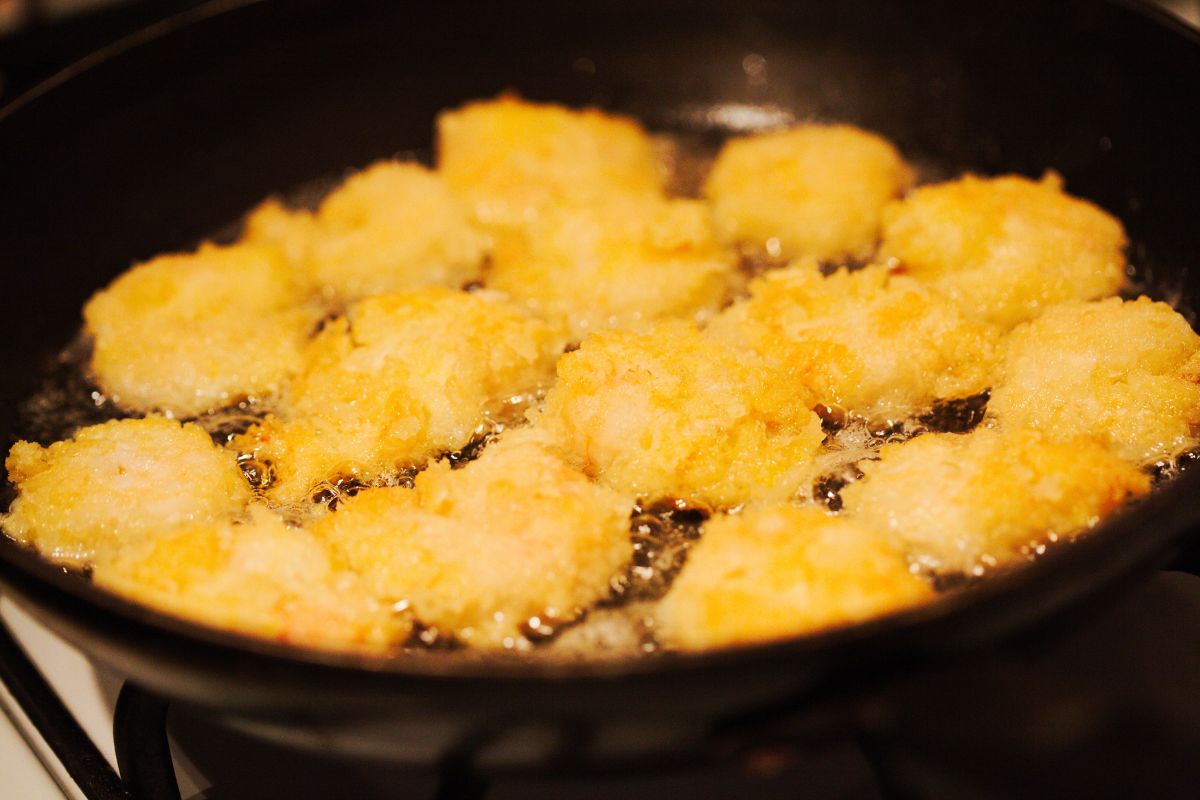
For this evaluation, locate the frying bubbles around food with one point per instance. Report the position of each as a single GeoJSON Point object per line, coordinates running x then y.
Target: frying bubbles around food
{"type": "Point", "coordinates": [479, 552]}
{"type": "Point", "coordinates": [383, 493]}
{"type": "Point", "coordinates": [400, 378]}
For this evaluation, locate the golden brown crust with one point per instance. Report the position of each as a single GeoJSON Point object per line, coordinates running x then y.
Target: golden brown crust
{"type": "Point", "coordinates": [477, 552]}
{"type": "Point", "coordinates": [622, 263]}
{"type": "Point", "coordinates": [400, 378]}
{"type": "Point", "coordinates": [1123, 372]}
{"type": "Point", "coordinates": [190, 333]}
{"type": "Point", "coordinates": [114, 483]}
{"type": "Point", "coordinates": [780, 571]}
{"type": "Point", "coordinates": [391, 227]}
{"type": "Point", "coordinates": [881, 345]}
{"type": "Point", "coordinates": [812, 190]}
{"type": "Point", "coordinates": [961, 503]}
{"type": "Point", "coordinates": [1005, 248]}
{"type": "Point", "coordinates": [670, 413]}
{"type": "Point", "coordinates": [508, 158]}
{"type": "Point", "coordinates": [259, 577]}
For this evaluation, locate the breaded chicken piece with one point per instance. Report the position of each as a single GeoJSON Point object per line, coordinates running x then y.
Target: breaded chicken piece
{"type": "Point", "coordinates": [1127, 373]}
{"type": "Point", "coordinates": [964, 502]}
{"type": "Point", "coordinates": [400, 378]}
{"type": "Point", "coordinates": [480, 551]}
{"type": "Point", "coordinates": [259, 577]}
{"type": "Point", "coordinates": [617, 264]}
{"type": "Point", "coordinates": [779, 571]}
{"type": "Point", "coordinates": [391, 227]}
{"type": "Point", "coordinates": [884, 346]}
{"type": "Point", "coordinates": [812, 190]}
{"type": "Point", "coordinates": [117, 482]}
{"type": "Point", "coordinates": [509, 158]}
{"type": "Point", "coordinates": [192, 332]}
{"type": "Point", "coordinates": [669, 413]}
{"type": "Point", "coordinates": [1006, 248]}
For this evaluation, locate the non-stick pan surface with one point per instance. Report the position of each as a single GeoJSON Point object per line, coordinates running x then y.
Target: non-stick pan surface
{"type": "Point", "coordinates": [170, 135]}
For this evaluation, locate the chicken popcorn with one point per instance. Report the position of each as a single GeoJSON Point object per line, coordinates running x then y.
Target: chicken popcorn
{"type": "Point", "coordinates": [260, 577]}
{"type": "Point", "coordinates": [391, 227]}
{"type": "Point", "coordinates": [517, 537]}
{"type": "Point", "coordinates": [192, 332]}
{"type": "Point", "coordinates": [881, 345]}
{"type": "Point", "coordinates": [1006, 248]}
{"type": "Point", "coordinates": [509, 158]}
{"type": "Point", "coordinates": [670, 413]}
{"type": "Point", "coordinates": [400, 378]}
{"type": "Point", "coordinates": [811, 190]}
{"type": "Point", "coordinates": [779, 571]}
{"type": "Point", "coordinates": [118, 482]}
{"type": "Point", "coordinates": [621, 263]}
{"type": "Point", "coordinates": [1127, 373]}
{"type": "Point", "coordinates": [962, 503]}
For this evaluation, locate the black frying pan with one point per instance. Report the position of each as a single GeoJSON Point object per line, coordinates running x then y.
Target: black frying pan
{"type": "Point", "coordinates": [171, 135]}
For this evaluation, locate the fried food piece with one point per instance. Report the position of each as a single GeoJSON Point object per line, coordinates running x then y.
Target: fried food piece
{"type": "Point", "coordinates": [811, 190]}
{"type": "Point", "coordinates": [617, 264]}
{"type": "Point", "coordinates": [259, 577]}
{"type": "Point", "coordinates": [117, 482]}
{"type": "Point", "coordinates": [391, 227]}
{"type": "Point", "coordinates": [1006, 248]}
{"type": "Point", "coordinates": [882, 345]}
{"type": "Point", "coordinates": [669, 413]}
{"type": "Point", "coordinates": [398, 379]}
{"type": "Point", "coordinates": [509, 158]}
{"type": "Point", "coordinates": [481, 551]}
{"type": "Point", "coordinates": [1127, 373]}
{"type": "Point", "coordinates": [193, 332]}
{"type": "Point", "coordinates": [779, 571]}
{"type": "Point", "coordinates": [964, 502]}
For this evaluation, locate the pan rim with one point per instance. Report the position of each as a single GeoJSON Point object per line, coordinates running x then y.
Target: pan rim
{"type": "Point", "coordinates": [26, 574]}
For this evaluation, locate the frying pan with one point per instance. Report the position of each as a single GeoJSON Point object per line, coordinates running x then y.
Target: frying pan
{"type": "Point", "coordinates": [165, 137]}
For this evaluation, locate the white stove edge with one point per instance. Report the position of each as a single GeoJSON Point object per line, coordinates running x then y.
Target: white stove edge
{"type": "Point", "coordinates": [28, 767]}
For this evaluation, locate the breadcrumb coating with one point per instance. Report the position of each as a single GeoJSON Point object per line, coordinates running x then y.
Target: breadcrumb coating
{"type": "Point", "coordinates": [401, 377]}
{"type": "Point", "coordinates": [1127, 373]}
{"type": "Point", "coordinates": [114, 483]}
{"type": "Point", "coordinates": [189, 333]}
{"type": "Point", "coordinates": [882, 345]}
{"type": "Point", "coordinates": [479, 551]}
{"type": "Point", "coordinates": [617, 264]}
{"type": "Point", "coordinates": [1006, 248]}
{"type": "Point", "coordinates": [259, 577]}
{"type": "Point", "coordinates": [509, 158]}
{"type": "Point", "coordinates": [670, 413]}
{"type": "Point", "coordinates": [965, 502]}
{"type": "Point", "coordinates": [780, 571]}
{"type": "Point", "coordinates": [390, 227]}
{"type": "Point", "coordinates": [812, 190]}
